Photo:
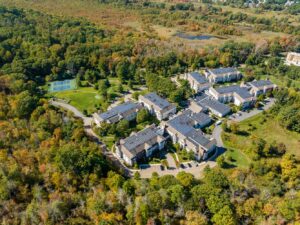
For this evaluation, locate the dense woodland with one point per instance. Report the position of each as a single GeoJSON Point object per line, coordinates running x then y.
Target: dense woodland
{"type": "Point", "coordinates": [51, 173]}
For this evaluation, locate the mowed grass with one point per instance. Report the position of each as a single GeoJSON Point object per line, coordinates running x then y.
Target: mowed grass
{"type": "Point", "coordinates": [86, 98]}
{"type": "Point", "coordinates": [83, 98]}
{"type": "Point", "coordinates": [239, 159]}
{"type": "Point", "coordinates": [265, 127]}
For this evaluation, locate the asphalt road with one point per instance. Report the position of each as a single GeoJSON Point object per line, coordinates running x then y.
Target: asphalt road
{"type": "Point", "coordinates": [245, 115]}
{"type": "Point", "coordinates": [89, 131]}
{"type": "Point", "coordinates": [193, 167]}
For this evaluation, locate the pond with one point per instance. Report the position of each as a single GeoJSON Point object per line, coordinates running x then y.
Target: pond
{"type": "Point", "coordinates": [194, 37]}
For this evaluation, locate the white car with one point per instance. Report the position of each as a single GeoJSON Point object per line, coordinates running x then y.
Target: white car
{"type": "Point", "coordinates": [218, 122]}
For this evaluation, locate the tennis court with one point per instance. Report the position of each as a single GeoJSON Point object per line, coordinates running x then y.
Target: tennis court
{"type": "Point", "coordinates": [63, 85]}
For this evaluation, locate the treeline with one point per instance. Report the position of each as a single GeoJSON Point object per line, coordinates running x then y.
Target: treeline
{"type": "Point", "coordinates": [287, 109]}
{"type": "Point", "coordinates": [274, 5]}
{"type": "Point", "coordinates": [183, 12]}
{"type": "Point", "coordinates": [50, 173]}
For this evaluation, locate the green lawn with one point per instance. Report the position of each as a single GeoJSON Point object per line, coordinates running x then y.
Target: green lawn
{"type": "Point", "coordinates": [109, 141]}
{"type": "Point", "coordinates": [284, 80]}
{"type": "Point", "coordinates": [82, 98]}
{"type": "Point", "coordinates": [86, 98]}
{"type": "Point", "coordinates": [259, 126]}
{"type": "Point", "coordinates": [239, 159]}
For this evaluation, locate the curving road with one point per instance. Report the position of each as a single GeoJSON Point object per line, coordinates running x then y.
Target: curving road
{"type": "Point", "coordinates": [91, 134]}
{"type": "Point", "coordinates": [216, 134]}
{"type": "Point", "coordinates": [194, 168]}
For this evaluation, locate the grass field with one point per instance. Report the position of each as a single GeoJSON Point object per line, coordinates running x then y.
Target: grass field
{"type": "Point", "coordinates": [239, 159]}
{"type": "Point", "coordinates": [90, 9]}
{"type": "Point", "coordinates": [284, 80]}
{"type": "Point", "coordinates": [86, 98]}
{"type": "Point", "coordinates": [82, 98]}
{"type": "Point", "coordinates": [115, 18]}
{"type": "Point", "coordinates": [267, 128]}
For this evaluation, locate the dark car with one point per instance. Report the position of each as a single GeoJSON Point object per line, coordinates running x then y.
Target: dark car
{"type": "Point", "coordinates": [182, 166]}
{"type": "Point", "coordinates": [162, 167]}
{"type": "Point", "coordinates": [189, 165]}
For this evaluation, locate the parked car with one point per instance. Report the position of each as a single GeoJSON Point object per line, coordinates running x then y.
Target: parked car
{"type": "Point", "coordinates": [182, 166]}
{"type": "Point", "coordinates": [189, 165]}
{"type": "Point", "coordinates": [162, 168]}
{"type": "Point", "coordinates": [218, 122]}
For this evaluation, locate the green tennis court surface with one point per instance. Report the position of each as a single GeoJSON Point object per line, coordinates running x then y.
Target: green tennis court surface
{"type": "Point", "coordinates": [63, 85]}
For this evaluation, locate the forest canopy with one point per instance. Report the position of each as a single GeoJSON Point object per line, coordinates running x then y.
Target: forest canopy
{"type": "Point", "coordinates": [52, 173]}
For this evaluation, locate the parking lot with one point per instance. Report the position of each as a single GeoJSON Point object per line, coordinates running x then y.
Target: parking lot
{"type": "Point", "coordinates": [192, 167]}
{"type": "Point", "coordinates": [242, 115]}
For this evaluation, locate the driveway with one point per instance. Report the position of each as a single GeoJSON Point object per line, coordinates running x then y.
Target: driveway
{"type": "Point", "coordinates": [86, 120]}
{"type": "Point", "coordinates": [216, 134]}
{"type": "Point", "coordinates": [127, 97]}
{"type": "Point", "coordinates": [193, 167]}
{"type": "Point", "coordinates": [245, 115]}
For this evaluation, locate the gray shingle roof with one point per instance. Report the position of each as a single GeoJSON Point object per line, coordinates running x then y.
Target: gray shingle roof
{"type": "Point", "coordinates": [220, 71]}
{"type": "Point", "coordinates": [181, 123]}
{"type": "Point", "coordinates": [157, 100]}
{"type": "Point", "coordinates": [118, 110]}
{"type": "Point", "coordinates": [197, 137]}
{"type": "Point", "coordinates": [186, 121]}
{"type": "Point", "coordinates": [260, 83]}
{"type": "Point", "coordinates": [241, 91]}
{"type": "Point", "coordinates": [198, 117]}
{"type": "Point", "coordinates": [140, 138]}
{"type": "Point", "coordinates": [212, 104]}
{"type": "Point", "coordinates": [198, 77]}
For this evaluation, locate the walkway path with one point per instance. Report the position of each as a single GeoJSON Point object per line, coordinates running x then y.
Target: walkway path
{"type": "Point", "coordinates": [171, 161]}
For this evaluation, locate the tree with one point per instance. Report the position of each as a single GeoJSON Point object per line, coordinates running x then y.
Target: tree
{"type": "Point", "coordinates": [215, 178]}
{"type": "Point", "coordinates": [290, 170]}
{"type": "Point", "coordinates": [225, 126]}
{"type": "Point", "coordinates": [114, 181]}
{"type": "Point", "coordinates": [91, 76]}
{"type": "Point", "coordinates": [275, 48]}
{"type": "Point", "coordinates": [154, 201]}
{"type": "Point", "coordinates": [103, 86]}
{"type": "Point", "coordinates": [120, 88]}
{"type": "Point", "coordinates": [226, 59]}
{"type": "Point", "coordinates": [24, 104]}
{"type": "Point", "coordinates": [122, 127]}
{"type": "Point", "coordinates": [195, 218]}
{"type": "Point", "coordinates": [122, 70]}
{"type": "Point", "coordinates": [234, 127]}
{"type": "Point", "coordinates": [142, 116]}
{"type": "Point", "coordinates": [221, 161]}
{"type": "Point", "coordinates": [260, 146]}
{"type": "Point", "coordinates": [130, 84]}
{"type": "Point", "coordinates": [186, 179]}
{"type": "Point", "coordinates": [224, 217]}
{"type": "Point", "coordinates": [4, 106]}
{"type": "Point", "coordinates": [176, 193]}
{"type": "Point", "coordinates": [80, 160]}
